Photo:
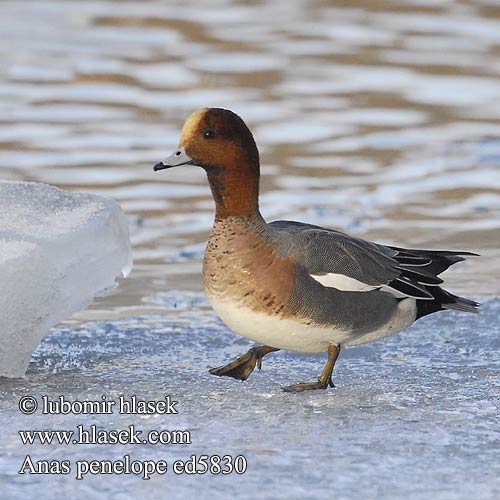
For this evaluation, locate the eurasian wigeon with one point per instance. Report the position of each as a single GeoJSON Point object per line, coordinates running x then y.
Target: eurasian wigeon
{"type": "Point", "coordinates": [295, 286]}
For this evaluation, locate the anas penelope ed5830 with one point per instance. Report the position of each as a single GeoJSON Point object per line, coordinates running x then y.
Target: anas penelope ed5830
{"type": "Point", "coordinates": [295, 286]}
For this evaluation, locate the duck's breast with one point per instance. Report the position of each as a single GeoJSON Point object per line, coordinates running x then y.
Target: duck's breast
{"type": "Point", "coordinates": [241, 266]}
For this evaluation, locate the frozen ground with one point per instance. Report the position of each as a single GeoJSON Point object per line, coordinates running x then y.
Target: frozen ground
{"type": "Point", "coordinates": [415, 416]}
{"type": "Point", "coordinates": [58, 250]}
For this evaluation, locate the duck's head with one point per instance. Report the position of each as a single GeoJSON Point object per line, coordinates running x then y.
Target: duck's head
{"type": "Point", "coordinates": [219, 141]}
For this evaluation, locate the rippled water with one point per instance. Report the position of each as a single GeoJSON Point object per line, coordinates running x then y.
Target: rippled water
{"type": "Point", "coordinates": [378, 118]}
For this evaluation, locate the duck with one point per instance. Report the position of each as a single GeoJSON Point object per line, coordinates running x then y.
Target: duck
{"type": "Point", "coordinates": [292, 285]}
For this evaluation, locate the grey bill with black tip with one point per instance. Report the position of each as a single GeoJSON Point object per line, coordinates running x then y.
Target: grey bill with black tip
{"type": "Point", "coordinates": [180, 157]}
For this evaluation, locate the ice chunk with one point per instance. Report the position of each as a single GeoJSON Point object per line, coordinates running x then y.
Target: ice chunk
{"type": "Point", "coordinates": [58, 250]}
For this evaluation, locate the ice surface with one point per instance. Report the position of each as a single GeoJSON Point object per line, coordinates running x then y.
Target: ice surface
{"type": "Point", "coordinates": [415, 416]}
{"type": "Point", "coordinates": [57, 251]}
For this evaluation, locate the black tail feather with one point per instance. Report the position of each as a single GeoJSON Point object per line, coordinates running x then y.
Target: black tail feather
{"type": "Point", "coordinates": [445, 300]}
{"type": "Point", "coordinates": [432, 261]}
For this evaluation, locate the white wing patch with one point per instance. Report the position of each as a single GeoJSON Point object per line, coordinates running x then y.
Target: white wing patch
{"type": "Point", "coordinates": [396, 293]}
{"type": "Point", "coordinates": [343, 283]}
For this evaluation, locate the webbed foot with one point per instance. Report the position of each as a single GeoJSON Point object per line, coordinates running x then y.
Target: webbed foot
{"type": "Point", "coordinates": [325, 379]}
{"type": "Point", "coordinates": [308, 386]}
{"type": "Point", "coordinates": [242, 367]}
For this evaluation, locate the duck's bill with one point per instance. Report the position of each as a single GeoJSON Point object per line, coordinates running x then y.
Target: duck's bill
{"type": "Point", "coordinates": [174, 160]}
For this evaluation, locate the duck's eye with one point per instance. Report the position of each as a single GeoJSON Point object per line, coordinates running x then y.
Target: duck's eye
{"type": "Point", "coordinates": [208, 134]}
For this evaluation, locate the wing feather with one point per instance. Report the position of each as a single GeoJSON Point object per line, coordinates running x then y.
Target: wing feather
{"type": "Point", "coordinates": [338, 260]}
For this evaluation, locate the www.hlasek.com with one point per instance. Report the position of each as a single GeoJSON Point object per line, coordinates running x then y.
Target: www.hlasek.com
{"type": "Point", "coordinates": [93, 435]}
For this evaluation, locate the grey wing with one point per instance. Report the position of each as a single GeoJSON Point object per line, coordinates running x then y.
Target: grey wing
{"type": "Point", "coordinates": [345, 262]}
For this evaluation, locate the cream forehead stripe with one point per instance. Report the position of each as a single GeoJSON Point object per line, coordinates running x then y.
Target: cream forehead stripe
{"type": "Point", "coordinates": [190, 127]}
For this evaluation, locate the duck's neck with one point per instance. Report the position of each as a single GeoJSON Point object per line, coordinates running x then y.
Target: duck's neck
{"type": "Point", "coordinates": [235, 192]}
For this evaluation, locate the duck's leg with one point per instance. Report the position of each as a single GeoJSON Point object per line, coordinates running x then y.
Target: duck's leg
{"type": "Point", "coordinates": [325, 379]}
{"type": "Point", "coordinates": [242, 367]}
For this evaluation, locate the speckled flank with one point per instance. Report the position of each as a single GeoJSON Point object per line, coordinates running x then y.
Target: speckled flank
{"type": "Point", "coordinates": [241, 265]}
{"type": "Point", "coordinates": [357, 312]}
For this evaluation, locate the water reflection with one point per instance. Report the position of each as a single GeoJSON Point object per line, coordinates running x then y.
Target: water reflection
{"type": "Point", "coordinates": [380, 119]}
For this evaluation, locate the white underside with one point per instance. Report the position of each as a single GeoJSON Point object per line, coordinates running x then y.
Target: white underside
{"type": "Point", "coordinates": [294, 335]}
